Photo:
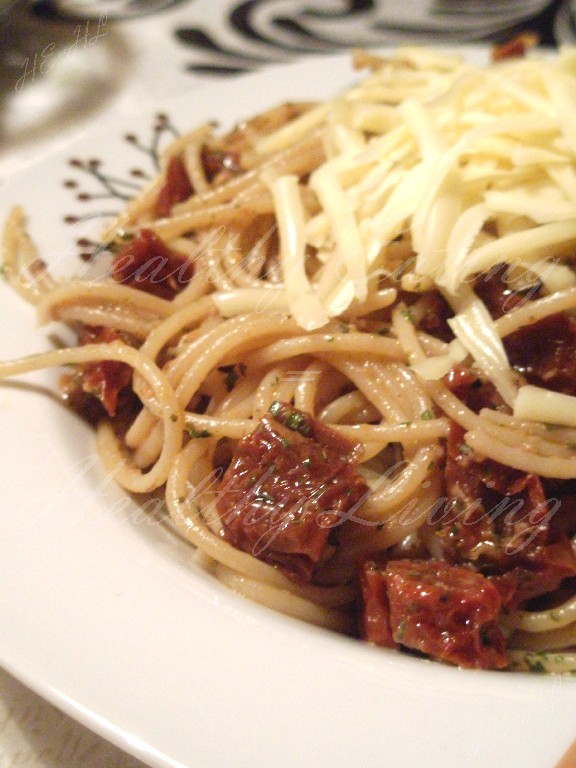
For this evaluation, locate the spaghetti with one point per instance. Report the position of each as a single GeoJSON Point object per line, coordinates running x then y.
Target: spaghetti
{"type": "Point", "coordinates": [329, 337]}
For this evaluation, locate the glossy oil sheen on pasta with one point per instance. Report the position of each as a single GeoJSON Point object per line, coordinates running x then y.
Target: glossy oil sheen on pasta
{"type": "Point", "coordinates": [341, 340]}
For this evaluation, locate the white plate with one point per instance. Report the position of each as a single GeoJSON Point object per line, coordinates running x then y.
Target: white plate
{"type": "Point", "coordinates": [104, 614]}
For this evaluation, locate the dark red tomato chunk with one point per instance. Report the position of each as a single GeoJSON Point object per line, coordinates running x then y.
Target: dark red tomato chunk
{"type": "Point", "coordinates": [431, 314]}
{"type": "Point", "coordinates": [500, 519]}
{"type": "Point", "coordinates": [445, 611]}
{"type": "Point", "coordinates": [502, 509]}
{"type": "Point", "coordinates": [290, 483]}
{"type": "Point", "coordinates": [176, 188]}
{"type": "Point", "coordinates": [545, 353]}
{"type": "Point", "coordinates": [220, 164]}
{"type": "Point", "coordinates": [148, 264]}
{"type": "Point", "coordinates": [375, 617]}
{"type": "Point", "coordinates": [104, 380]}
{"type": "Point", "coordinates": [517, 47]}
{"type": "Point", "coordinates": [474, 391]}
{"type": "Point", "coordinates": [494, 288]}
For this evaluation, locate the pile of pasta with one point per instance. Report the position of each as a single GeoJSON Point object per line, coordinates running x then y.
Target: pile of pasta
{"type": "Point", "coordinates": [315, 236]}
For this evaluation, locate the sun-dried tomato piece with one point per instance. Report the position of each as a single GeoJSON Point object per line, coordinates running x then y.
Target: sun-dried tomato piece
{"type": "Point", "coordinates": [146, 263]}
{"type": "Point", "coordinates": [105, 380]}
{"type": "Point", "coordinates": [447, 612]}
{"type": "Point", "coordinates": [545, 353]}
{"type": "Point", "coordinates": [176, 187]}
{"type": "Point", "coordinates": [290, 483]}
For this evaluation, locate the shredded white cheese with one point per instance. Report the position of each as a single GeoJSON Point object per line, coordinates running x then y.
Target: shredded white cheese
{"type": "Point", "coordinates": [302, 299]}
{"type": "Point", "coordinates": [537, 404]}
{"type": "Point", "coordinates": [470, 166]}
{"type": "Point", "coordinates": [475, 330]}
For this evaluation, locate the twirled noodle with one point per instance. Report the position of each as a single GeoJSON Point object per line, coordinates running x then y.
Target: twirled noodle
{"type": "Point", "coordinates": [22, 265]}
{"type": "Point", "coordinates": [112, 454]}
{"type": "Point", "coordinates": [344, 262]}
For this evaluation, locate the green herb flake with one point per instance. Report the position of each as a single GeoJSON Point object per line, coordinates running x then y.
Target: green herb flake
{"type": "Point", "coordinates": [401, 630]}
{"type": "Point", "coordinates": [535, 665]}
{"type": "Point", "coordinates": [427, 415]}
{"type": "Point", "coordinates": [297, 422]}
{"type": "Point", "coordinates": [231, 376]}
{"type": "Point", "coordinates": [193, 432]}
{"type": "Point", "coordinates": [276, 408]}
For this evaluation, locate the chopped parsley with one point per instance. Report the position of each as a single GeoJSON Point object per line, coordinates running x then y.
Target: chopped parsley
{"type": "Point", "coordinates": [193, 432]}
{"type": "Point", "coordinates": [276, 408]}
{"type": "Point", "coordinates": [535, 665]}
{"type": "Point", "coordinates": [293, 419]}
{"type": "Point", "coordinates": [297, 422]}
{"type": "Point", "coordinates": [401, 630]}
{"type": "Point", "coordinates": [231, 375]}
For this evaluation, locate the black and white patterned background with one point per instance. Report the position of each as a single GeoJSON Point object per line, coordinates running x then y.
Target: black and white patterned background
{"type": "Point", "coordinates": [236, 37]}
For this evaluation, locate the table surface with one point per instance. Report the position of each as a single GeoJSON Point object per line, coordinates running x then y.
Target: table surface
{"type": "Point", "coordinates": [48, 62]}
